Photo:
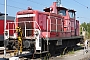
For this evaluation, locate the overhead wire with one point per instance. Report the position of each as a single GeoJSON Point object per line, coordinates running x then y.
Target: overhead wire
{"type": "Point", "coordinates": [30, 1]}
{"type": "Point", "coordinates": [83, 17]}
{"type": "Point", "coordinates": [81, 4]}
{"type": "Point", "coordinates": [22, 3]}
{"type": "Point", "coordinates": [38, 4]}
{"type": "Point", "coordinates": [11, 6]}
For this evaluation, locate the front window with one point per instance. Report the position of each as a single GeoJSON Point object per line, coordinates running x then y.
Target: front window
{"type": "Point", "coordinates": [24, 22]}
{"type": "Point", "coordinates": [62, 12]}
{"type": "Point", "coordinates": [71, 14]}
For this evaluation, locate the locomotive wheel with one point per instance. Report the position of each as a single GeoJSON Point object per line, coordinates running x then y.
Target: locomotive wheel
{"type": "Point", "coordinates": [10, 45]}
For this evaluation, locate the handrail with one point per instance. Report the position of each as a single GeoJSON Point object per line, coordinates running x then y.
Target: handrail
{"type": "Point", "coordinates": [14, 28]}
{"type": "Point", "coordinates": [24, 22]}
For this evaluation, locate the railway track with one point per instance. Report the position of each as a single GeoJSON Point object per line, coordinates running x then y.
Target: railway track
{"type": "Point", "coordinates": [7, 51]}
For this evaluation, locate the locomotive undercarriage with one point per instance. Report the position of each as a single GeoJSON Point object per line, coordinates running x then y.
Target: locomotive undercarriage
{"type": "Point", "coordinates": [54, 47]}
{"type": "Point", "coordinates": [28, 45]}
{"type": "Point", "coordinates": [58, 47]}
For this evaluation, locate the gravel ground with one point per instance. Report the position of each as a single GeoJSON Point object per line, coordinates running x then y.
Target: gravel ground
{"type": "Point", "coordinates": [78, 55]}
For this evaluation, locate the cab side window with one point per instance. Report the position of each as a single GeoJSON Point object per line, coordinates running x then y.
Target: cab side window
{"type": "Point", "coordinates": [71, 14]}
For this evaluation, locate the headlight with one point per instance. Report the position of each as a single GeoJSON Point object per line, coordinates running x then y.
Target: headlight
{"type": "Point", "coordinates": [37, 32]}
{"type": "Point", "coordinates": [26, 43]}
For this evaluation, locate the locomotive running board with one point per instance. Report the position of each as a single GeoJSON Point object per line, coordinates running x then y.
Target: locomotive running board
{"type": "Point", "coordinates": [64, 38]}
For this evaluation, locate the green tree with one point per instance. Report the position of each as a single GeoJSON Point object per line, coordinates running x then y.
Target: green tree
{"type": "Point", "coordinates": [86, 27]}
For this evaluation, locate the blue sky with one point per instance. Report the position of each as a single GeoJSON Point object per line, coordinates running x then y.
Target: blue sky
{"type": "Point", "coordinates": [16, 5]}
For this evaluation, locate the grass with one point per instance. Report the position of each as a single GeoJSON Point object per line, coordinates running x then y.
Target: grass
{"type": "Point", "coordinates": [67, 52]}
{"type": "Point", "coordinates": [71, 52]}
{"type": "Point", "coordinates": [64, 51]}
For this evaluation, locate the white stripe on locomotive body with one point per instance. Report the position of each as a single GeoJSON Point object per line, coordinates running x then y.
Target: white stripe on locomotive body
{"type": "Point", "coordinates": [26, 15]}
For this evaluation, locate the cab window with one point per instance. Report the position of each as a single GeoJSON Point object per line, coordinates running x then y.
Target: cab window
{"type": "Point", "coordinates": [62, 12]}
{"type": "Point", "coordinates": [71, 14]}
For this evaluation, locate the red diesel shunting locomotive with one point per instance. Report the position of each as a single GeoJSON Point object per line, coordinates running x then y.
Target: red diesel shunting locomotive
{"type": "Point", "coordinates": [52, 30]}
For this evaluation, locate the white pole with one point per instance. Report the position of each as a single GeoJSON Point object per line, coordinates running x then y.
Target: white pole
{"type": "Point", "coordinates": [5, 26]}
{"type": "Point", "coordinates": [47, 35]}
{"type": "Point", "coordinates": [25, 29]}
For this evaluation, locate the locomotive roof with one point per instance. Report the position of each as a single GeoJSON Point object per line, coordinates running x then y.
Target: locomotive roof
{"type": "Point", "coordinates": [8, 17]}
{"type": "Point", "coordinates": [62, 8]}
{"type": "Point", "coordinates": [2, 14]}
{"type": "Point", "coordinates": [71, 10]}
{"type": "Point", "coordinates": [48, 9]}
{"type": "Point", "coordinates": [36, 11]}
